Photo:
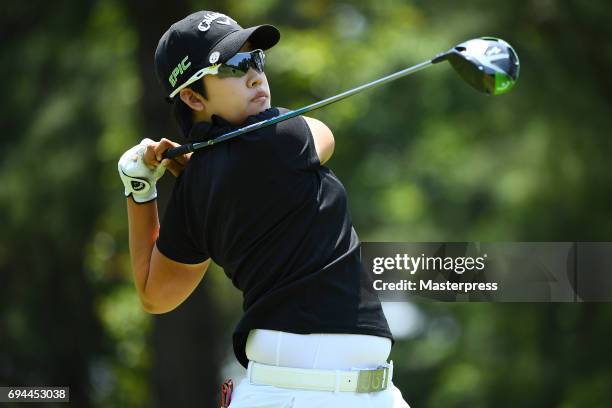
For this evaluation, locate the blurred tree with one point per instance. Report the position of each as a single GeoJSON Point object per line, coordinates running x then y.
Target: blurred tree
{"type": "Point", "coordinates": [49, 201]}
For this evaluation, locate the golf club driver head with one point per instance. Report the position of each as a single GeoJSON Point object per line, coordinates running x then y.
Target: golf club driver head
{"type": "Point", "coordinates": [488, 64]}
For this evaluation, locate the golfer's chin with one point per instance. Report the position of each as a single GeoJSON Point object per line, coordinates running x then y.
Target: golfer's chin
{"type": "Point", "coordinates": [259, 105]}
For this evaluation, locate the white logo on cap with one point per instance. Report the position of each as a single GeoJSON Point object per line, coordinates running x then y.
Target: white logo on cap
{"type": "Point", "coordinates": [214, 57]}
{"type": "Point", "coordinates": [210, 17]}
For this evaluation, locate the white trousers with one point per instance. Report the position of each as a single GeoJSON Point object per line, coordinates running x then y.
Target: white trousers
{"type": "Point", "coordinates": [317, 351]}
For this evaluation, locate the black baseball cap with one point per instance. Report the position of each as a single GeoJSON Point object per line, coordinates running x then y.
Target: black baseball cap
{"type": "Point", "coordinates": [202, 39]}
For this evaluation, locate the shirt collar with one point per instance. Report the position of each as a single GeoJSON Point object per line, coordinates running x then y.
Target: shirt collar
{"type": "Point", "coordinates": [202, 131]}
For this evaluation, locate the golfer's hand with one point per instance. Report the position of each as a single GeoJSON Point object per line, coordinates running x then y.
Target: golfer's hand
{"type": "Point", "coordinates": [139, 179]}
{"type": "Point", "coordinates": [154, 152]}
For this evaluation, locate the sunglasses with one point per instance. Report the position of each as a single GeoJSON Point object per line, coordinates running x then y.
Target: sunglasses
{"type": "Point", "coordinates": [240, 63]}
{"type": "Point", "coordinates": [235, 67]}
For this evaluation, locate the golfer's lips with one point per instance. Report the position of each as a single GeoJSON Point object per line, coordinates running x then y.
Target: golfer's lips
{"type": "Point", "coordinates": [260, 96]}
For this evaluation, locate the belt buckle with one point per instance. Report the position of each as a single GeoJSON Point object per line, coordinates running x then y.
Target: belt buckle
{"type": "Point", "coordinates": [373, 380]}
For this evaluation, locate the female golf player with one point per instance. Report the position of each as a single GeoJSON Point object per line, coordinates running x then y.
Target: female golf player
{"type": "Point", "coordinates": [264, 208]}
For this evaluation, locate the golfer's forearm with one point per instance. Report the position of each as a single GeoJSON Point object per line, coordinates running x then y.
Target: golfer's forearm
{"type": "Point", "coordinates": [144, 229]}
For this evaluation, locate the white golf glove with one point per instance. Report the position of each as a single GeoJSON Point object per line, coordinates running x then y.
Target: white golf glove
{"type": "Point", "coordinates": [138, 179]}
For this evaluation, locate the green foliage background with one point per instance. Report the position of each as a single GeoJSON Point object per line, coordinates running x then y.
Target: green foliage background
{"type": "Point", "coordinates": [423, 159]}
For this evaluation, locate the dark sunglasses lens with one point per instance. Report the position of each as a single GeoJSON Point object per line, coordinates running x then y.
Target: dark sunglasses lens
{"type": "Point", "coordinates": [240, 63]}
{"type": "Point", "coordinates": [226, 71]}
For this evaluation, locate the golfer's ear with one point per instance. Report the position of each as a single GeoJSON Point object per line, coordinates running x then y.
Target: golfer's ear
{"type": "Point", "coordinates": [192, 99]}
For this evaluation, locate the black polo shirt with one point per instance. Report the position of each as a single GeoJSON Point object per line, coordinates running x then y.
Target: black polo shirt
{"type": "Point", "coordinates": [266, 211]}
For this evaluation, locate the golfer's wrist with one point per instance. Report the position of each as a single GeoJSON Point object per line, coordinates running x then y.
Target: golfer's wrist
{"type": "Point", "coordinates": [141, 200]}
{"type": "Point", "coordinates": [146, 196]}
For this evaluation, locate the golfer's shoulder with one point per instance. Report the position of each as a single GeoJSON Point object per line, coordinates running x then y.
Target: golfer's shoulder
{"type": "Point", "coordinates": [323, 138]}
{"type": "Point", "coordinates": [318, 127]}
{"type": "Point", "coordinates": [301, 128]}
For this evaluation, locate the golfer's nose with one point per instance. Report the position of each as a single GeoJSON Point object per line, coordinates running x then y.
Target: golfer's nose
{"type": "Point", "coordinates": [254, 78]}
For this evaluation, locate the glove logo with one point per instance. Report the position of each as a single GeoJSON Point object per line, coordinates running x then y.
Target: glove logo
{"type": "Point", "coordinates": [137, 185]}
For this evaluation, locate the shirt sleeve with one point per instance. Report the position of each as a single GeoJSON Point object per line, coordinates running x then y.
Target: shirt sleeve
{"type": "Point", "coordinates": [296, 143]}
{"type": "Point", "coordinates": [176, 238]}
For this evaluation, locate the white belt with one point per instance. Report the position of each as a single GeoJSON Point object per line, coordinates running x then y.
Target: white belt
{"type": "Point", "coordinates": [370, 380]}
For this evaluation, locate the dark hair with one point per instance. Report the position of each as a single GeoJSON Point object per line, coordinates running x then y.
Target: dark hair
{"type": "Point", "coordinates": [183, 115]}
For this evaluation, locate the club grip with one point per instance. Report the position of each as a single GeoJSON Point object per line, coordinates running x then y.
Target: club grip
{"type": "Point", "coordinates": [177, 151]}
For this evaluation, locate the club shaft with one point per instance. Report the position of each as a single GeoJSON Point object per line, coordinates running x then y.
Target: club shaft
{"type": "Point", "coordinates": [190, 147]}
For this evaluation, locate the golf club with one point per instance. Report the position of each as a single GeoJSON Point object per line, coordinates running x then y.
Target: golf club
{"type": "Point", "coordinates": [488, 64]}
